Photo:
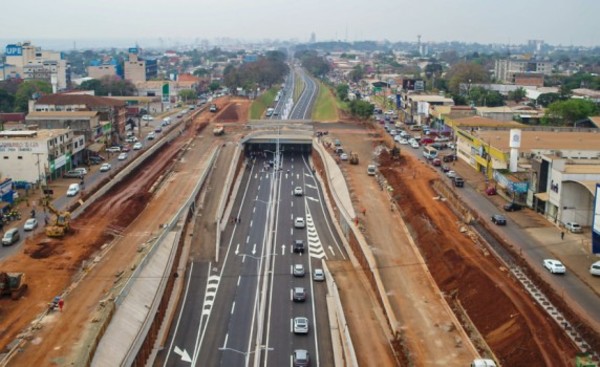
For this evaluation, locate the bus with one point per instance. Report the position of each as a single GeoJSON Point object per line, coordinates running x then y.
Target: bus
{"type": "Point", "coordinates": [430, 152]}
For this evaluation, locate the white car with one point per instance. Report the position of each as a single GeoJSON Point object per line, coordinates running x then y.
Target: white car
{"type": "Point", "coordinates": [318, 275]}
{"type": "Point", "coordinates": [415, 145]}
{"type": "Point", "coordinates": [147, 118]}
{"type": "Point", "coordinates": [137, 146]}
{"type": "Point", "coordinates": [403, 142]}
{"type": "Point", "coordinates": [344, 156]}
{"type": "Point", "coordinates": [122, 156]}
{"type": "Point", "coordinates": [73, 190]}
{"type": "Point", "coordinates": [299, 222]}
{"type": "Point", "coordinates": [81, 170]}
{"type": "Point", "coordinates": [114, 149]}
{"type": "Point", "coordinates": [574, 227]}
{"type": "Point", "coordinates": [554, 266]}
{"type": "Point", "coordinates": [451, 174]}
{"type": "Point", "coordinates": [131, 139]}
{"type": "Point", "coordinates": [595, 268]}
{"type": "Point", "coordinates": [298, 191]}
{"type": "Point", "coordinates": [151, 135]}
{"type": "Point", "coordinates": [105, 167]}
{"type": "Point", "coordinates": [298, 270]}
{"type": "Point", "coordinates": [30, 224]}
{"type": "Point", "coordinates": [300, 325]}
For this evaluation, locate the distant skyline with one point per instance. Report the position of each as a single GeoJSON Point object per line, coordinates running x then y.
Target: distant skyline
{"type": "Point", "coordinates": [125, 22]}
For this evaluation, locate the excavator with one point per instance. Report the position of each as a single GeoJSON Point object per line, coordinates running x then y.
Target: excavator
{"type": "Point", "coordinates": [12, 284]}
{"type": "Point", "coordinates": [61, 224]}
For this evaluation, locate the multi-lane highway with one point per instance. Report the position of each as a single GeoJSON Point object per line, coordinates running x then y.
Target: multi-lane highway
{"type": "Point", "coordinates": [302, 109]}
{"type": "Point", "coordinates": [239, 312]}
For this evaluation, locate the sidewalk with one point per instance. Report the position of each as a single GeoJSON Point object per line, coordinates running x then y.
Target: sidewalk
{"type": "Point", "coordinates": [574, 250]}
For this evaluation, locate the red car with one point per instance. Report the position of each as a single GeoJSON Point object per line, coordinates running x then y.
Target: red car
{"type": "Point", "coordinates": [436, 162]}
{"type": "Point", "coordinates": [490, 191]}
{"type": "Point", "coordinates": [425, 141]}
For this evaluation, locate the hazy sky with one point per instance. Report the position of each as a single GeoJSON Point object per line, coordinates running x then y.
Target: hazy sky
{"type": "Point", "coordinates": [573, 22]}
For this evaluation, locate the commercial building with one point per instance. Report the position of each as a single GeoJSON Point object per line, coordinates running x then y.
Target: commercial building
{"type": "Point", "coordinates": [137, 69]}
{"type": "Point", "coordinates": [506, 69]}
{"type": "Point", "coordinates": [38, 156]}
{"type": "Point", "coordinates": [30, 62]}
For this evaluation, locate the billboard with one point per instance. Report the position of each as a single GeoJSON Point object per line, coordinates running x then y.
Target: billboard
{"type": "Point", "coordinates": [13, 50]}
{"type": "Point", "coordinates": [596, 222]}
{"type": "Point", "coordinates": [133, 50]}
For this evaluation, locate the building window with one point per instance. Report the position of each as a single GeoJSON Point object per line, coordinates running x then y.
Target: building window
{"type": "Point", "coordinates": [20, 157]}
{"type": "Point", "coordinates": [5, 157]}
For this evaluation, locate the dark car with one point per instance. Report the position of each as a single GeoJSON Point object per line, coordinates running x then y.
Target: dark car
{"type": "Point", "coordinates": [512, 207]}
{"type": "Point", "coordinates": [499, 219]}
{"type": "Point", "coordinates": [449, 158]}
{"type": "Point", "coordinates": [299, 246]}
{"type": "Point", "coordinates": [299, 294]}
{"type": "Point", "coordinates": [436, 162]}
{"type": "Point", "coordinates": [301, 358]}
{"type": "Point", "coordinates": [458, 181]}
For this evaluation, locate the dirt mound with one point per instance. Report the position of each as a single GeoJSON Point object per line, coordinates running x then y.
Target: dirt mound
{"type": "Point", "coordinates": [229, 114]}
{"type": "Point", "coordinates": [44, 249]}
{"type": "Point", "coordinates": [516, 330]}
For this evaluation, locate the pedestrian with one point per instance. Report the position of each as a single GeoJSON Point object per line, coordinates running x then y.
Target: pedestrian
{"type": "Point", "coordinates": [562, 235]}
{"type": "Point", "coordinates": [46, 219]}
{"type": "Point", "coordinates": [364, 211]}
{"type": "Point", "coordinates": [61, 303]}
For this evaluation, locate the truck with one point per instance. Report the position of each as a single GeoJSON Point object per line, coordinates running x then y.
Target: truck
{"type": "Point", "coordinates": [218, 130]}
{"type": "Point", "coordinates": [353, 158]}
{"type": "Point", "coordinates": [213, 108]}
{"type": "Point", "coordinates": [12, 284]}
{"type": "Point", "coordinates": [61, 224]}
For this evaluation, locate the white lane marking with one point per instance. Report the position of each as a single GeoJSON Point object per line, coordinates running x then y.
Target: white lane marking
{"type": "Point", "coordinates": [251, 221]}
{"type": "Point", "coordinates": [243, 258]}
{"type": "Point", "coordinates": [313, 199]}
{"type": "Point", "coordinates": [254, 249]}
{"type": "Point", "coordinates": [291, 294]}
{"type": "Point", "coordinates": [311, 186]}
{"type": "Point", "coordinates": [291, 325]}
{"type": "Point", "coordinates": [247, 238]}
{"type": "Point", "coordinates": [256, 198]}
{"type": "Point", "coordinates": [239, 280]}
{"type": "Point", "coordinates": [233, 307]}
{"type": "Point", "coordinates": [254, 210]}
{"type": "Point", "coordinates": [258, 188]}
{"type": "Point", "coordinates": [282, 250]}
{"type": "Point", "coordinates": [292, 204]}
{"type": "Point", "coordinates": [225, 341]}
{"type": "Point", "coordinates": [237, 249]}
{"type": "Point", "coordinates": [331, 249]}
{"type": "Point", "coordinates": [291, 231]}
{"type": "Point", "coordinates": [292, 216]}
{"type": "Point", "coordinates": [291, 269]}
{"type": "Point", "coordinates": [183, 353]}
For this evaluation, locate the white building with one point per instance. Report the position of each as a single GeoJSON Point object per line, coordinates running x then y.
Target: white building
{"type": "Point", "coordinates": [29, 155]}
{"type": "Point", "coordinates": [31, 62]}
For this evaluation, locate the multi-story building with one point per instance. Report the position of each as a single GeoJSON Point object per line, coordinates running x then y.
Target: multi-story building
{"type": "Point", "coordinates": [30, 62]}
{"type": "Point", "coordinates": [137, 69]}
{"type": "Point", "coordinates": [102, 70]}
{"type": "Point", "coordinates": [37, 156]}
{"type": "Point", "coordinates": [505, 69]}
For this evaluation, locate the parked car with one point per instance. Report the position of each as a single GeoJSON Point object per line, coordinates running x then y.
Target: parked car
{"type": "Point", "coordinates": [449, 158]}
{"type": "Point", "coordinates": [298, 270]}
{"type": "Point", "coordinates": [414, 144]}
{"type": "Point", "coordinates": [122, 156]}
{"type": "Point", "coordinates": [82, 170]}
{"type": "Point", "coordinates": [114, 149]}
{"type": "Point", "coordinates": [436, 162]}
{"type": "Point", "coordinates": [73, 174]}
{"type": "Point", "coordinates": [595, 268]}
{"type": "Point", "coordinates": [554, 266]}
{"type": "Point", "coordinates": [499, 219]}
{"type": "Point", "coordinates": [158, 129]}
{"type": "Point", "coordinates": [344, 157]}
{"type": "Point", "coordinates": [105, 167]}
{"type": "Point", "coordinates": [512, 207]}
{"type": "Point", "coordinates": [131, 139]}
{"type": "Point", "coordinates": [137, 146]}
{"type": "Point", "coordinates": [96, 159]}
{"type": "Point", "coordinates": [30, 224]}
{"type": "Point", "coordinates": [298, 191]}
{"type": "Point", "coordinates": [490, 191]}
{"type": "Point", "coordinates": [10, 237]}
{"type": "Point", "coordinates": [458, 181]}
{"type": "Point", "coordinates": [318, 275]}
{"type": "Point", "coordinates": [299, 246]}
{"type": "Point", "coordinates": [451, 174]}
{"type": "Point", "coordinates": [125, 148]}
{"type": "Point", "coordinates": [299, 294]}
{"type": "Point", "coordinates": [147, 118]}
{"type": "Point", "coordinates": [73, 189]}
{"type": "Point", "coordinates": [299, 222]}
{"type": "Point", "coordinates": [300, 325]}
{"type": "Point", "coordinates": [574, 227]}
{"type": "Point", "coordinates": [301, 358]}
{"type": "Point", "coordinates": [151, 135]}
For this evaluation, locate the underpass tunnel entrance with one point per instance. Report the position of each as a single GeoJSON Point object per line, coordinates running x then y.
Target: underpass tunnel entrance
{"type": "Point", "coordinates": [271, 148]}
{"type": "Point", "coordinates": [289, 143]}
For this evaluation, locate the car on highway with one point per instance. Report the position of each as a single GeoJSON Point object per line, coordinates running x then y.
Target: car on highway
{"type": "Point", "coordinates": [499, 219]}
{"type": "Point", "coordinates": [298, 191]}
{"type": "Point", "coordinates": [574, 227]}
{"type": "Point", "coordinates": [131, 139]}
{"type": "Point", "coordinates": [554, 266]}
{"type": "Point", "coordinates": [458, 181]}
{"type": "Point", "coordinates": [299, 246]}
{"type": "Point", "coordinates": [151, 135]}
{"type": "Point", "coordinates": [158, 129]}
{"type": "Point", "coordinates": [318, 275]}
{"type": "Point", "coordinates": [125, 148]}
{"type": "Point", "coordinates": [147, 118]}
{"type": "Point", "coordinates": [344, 157]}
{"type": "Point", "coordinates": [451, 174]}
{"type": "Point", "coordinates": [299, 222]}
{"type": "Point", "coordinates": [300, 325]}
{"type": "Point", "coordinates": [122, 156]}
{"type": "Point", "coordinates": [512, 207]}
{"type": "Point", "coordinates": [114, 149]}
{"type": "Point", "coordinates": [137, 146]}
{"type": "Point", "coordinates": [299, 294]}
{"type": "Point", "coordinates": [595, 268]}
{"type": "Point", "coordinates": [10, 237]}
{"type": "Point", "coordinates": [105, 167]}
{"type": "Point", "coordinates": [73, 189]}
{"type": "Point", "coordinates": [301, 358]}
{"type": "Point", "coordinates": [298, 270]}
{"type": "Point", "coordinates": [30, 224]}
{"type": "Point", "coordinates": [73, 174]}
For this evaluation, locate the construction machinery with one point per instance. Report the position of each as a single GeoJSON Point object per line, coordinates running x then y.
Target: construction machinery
{"type": "Point", "coordinates": [353, 158]}
{"type": "Point", "coordinates": [218, 130]}
{"type": "Point", "coordinates": [61, 224]}
{"type": "Point", "coordinates": [12, 284]}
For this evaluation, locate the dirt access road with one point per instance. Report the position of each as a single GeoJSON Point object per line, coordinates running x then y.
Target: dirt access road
{"type": "Point", "coordinates": [517, 331]}
{"type": "Point", "coordinates": [126, 218]}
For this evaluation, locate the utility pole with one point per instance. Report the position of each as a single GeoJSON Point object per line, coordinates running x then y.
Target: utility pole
{"type": "Point", "coordinates": [39, 170]}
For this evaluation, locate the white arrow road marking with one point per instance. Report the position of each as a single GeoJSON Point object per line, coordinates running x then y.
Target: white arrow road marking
{"type": "Point", "coordinates": [237, 249]}
{"type": "Point", "coordinates": [311, 186]}
{"type": "Point", "coordinates": [313, 199]}
{"type": "Point", "coordinates": [256, 176]}
{"type": "Point", "coordinates": [183, 353]}
{"type": "Point", "coordinates": [254, 249]}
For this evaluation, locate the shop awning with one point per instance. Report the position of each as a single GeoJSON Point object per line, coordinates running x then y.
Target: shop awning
{"type": "Point", "coordinates": [543, 196]}
{"type": "Point", "coordinates": [96, 147]}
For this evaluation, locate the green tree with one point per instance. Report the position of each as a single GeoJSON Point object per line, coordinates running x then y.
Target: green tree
{"type": "Point", "coordinates": [517, 95]}
{"type": "Point", "coordinates": [565, 113]}
{"type": "Point", "coordinates": [95, 85]}
{"type": "Point", "coordinates": [357, 73]}
{"type": "Point", "coordinates": [187, 95]}
{"type": "Point", "coordinates": [342, 91]}
{"type": "Point", "coordinates": [361, 109]}
{"type": "Point", "coordinates": [214, 86]}
{"type": "Point", "coordinates": [7, 101]}
{"type": "Point", "coordinates": [30, 89]}
{"type": "Point", "coordinates": [201, 72]}
{"type": "Point", "coordinates": [466, 73]}
{"type": "Point", "coordinates": [546, 99]}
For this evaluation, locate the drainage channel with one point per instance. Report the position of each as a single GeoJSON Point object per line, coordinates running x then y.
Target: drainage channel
{"type": "Point", "coordinates": [534, 291]}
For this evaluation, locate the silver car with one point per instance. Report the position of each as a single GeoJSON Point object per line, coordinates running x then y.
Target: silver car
{"type": "Point", "coordinates": [298, 270]}
{"type": "Point", "coordinates": [300, 325]}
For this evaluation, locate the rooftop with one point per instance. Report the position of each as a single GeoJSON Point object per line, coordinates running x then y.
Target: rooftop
{"type": "Point", "coordinates": [478, 121]}
{"type": "Point", "coordinates": [63, 99]}
{"type": "Point", "coordinates": [61, 114]}
{"type": "Point", "coordinates": [532, 140]}
{"type": "Point", "coordinates": [430, 98]}
{"type": "Point", "coordinates": [32, 134]}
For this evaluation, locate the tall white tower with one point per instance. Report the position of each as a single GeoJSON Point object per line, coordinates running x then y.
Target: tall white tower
{"type": "Point", "coordinates": [514, 144]}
